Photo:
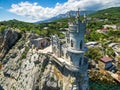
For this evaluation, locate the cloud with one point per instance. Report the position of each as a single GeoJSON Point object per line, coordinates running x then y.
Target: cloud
{"type": "Point", "coordinates": [1, 7]}
{"type": "Point", "coordinates": [36, 12]}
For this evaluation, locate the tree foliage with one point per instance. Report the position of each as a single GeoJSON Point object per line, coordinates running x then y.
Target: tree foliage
{"type": "Point", "coordinates": [94, 53]}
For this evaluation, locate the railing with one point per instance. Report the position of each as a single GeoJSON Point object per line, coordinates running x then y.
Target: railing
{"type": "Point", "coordinates": [70, 66]}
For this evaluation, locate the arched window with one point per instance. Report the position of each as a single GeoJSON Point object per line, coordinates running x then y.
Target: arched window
{"type": "Point", "coordinates": [80, 61]}
{"type": "Point", "coordinates": [71, 43]}
{"type": "Point", "coordinates": [68, 41]}
{"type": "Point", "coordinates": [71, 59]}
{"type": "Point", "coordinates": [81, 44]}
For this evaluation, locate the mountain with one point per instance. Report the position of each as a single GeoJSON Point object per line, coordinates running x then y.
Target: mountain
{"type": "Point", "coordinates": [64, 16]}
{"type": "Point", "coordinates": [105, 13]}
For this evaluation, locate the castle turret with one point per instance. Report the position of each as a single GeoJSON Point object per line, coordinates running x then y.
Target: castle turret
{"type": "Point", "coordinates": [76, 44]}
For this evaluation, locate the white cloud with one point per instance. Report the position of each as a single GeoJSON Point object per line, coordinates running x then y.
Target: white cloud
{"type": "Point", "coordinates": [35, 12]}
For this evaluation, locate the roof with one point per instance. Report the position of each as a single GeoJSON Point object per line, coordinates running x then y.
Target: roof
{"type": "Point", "coordinates": [91, 43]}
{"type": "Point", "coordinates": [106, 59]}
{"type": "Point", "coordinates": [112, 44]}
{"type": "Point", "coordinates": [39, 39]}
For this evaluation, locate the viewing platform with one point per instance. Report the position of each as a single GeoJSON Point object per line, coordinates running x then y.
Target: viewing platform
{"type": "Point", "coordinates": [69, 66]}
{"type": "Point", "coordinates": [62, 62]}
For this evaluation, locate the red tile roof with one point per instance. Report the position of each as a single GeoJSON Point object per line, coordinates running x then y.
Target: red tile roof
{"type": "Point", "coordinates": [106, 59]}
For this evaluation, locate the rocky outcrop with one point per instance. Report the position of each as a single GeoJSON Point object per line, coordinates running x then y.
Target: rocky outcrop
{"type": "Point", "coordinates": [24, 68]}
{"type": "Point", "coordinates": [7, 40]}
{"type": "Point", "coordinates": [1, 39]}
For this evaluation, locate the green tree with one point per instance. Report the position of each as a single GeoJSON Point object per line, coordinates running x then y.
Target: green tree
{"type": "Point", "coordinates": [2, 28]}
{"type": "Point", "coordinates": [94, 53]}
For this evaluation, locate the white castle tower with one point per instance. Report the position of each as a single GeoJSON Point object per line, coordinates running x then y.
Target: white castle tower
{"type": "Point", "coordinates": [72, 52]}
{"type": "Point", "coordinates": [76, 49]}
{"type": "Point", "coordinates": [76, 40]}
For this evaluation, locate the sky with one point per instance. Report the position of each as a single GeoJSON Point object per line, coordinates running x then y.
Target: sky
{"type": "Point", "coordinates": [38, 10]}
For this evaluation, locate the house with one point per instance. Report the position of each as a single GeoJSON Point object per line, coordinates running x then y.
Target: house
{"type": "Point", "coordinates": [103, 30]}
{"type": "Point", "coordinates": [45, 27]}
{"type": "Point", "coordinates": [118, 27]}
{"type": "Point", "coordinates": [105, 63]}
{"type": "Point", "coordinates": [116, 48]}
{"type": "Point", "coordinates": [113, 44]}
{"type": "Point", "coordinates": [40, 43]}
{"type": "Point", "coordinates": [91, 44]}
{"type": "Point", "coordinates": [110, 26]}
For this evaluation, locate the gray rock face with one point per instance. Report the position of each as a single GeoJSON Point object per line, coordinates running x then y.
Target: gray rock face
{"type": "Point", "coordinates": [26, 69]}
{"type": "Point", "coordinates": [1, 38]}
{"type": "Point", "coordinates": [7, 40]}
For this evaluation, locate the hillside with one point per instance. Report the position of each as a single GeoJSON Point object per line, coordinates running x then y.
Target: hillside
{"type": "Point", "coordinates": [110, 13]}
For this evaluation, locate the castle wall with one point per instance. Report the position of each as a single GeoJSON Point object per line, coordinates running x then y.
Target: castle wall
{"type": "Point", "coordinates": [73, 53]}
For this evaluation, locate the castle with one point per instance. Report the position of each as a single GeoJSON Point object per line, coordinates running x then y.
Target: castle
{"type": "Point", "coordinates": [72, 51]}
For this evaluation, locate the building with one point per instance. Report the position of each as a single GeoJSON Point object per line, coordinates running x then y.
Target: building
{"type": "Point", "coordinates": [105, 63]}
{"type": "Point", "coordinates": [103, 30]}
{"type": "Point", "coordinates": [110, 26]}
{"type": "Point", "coordinates": [116, 48]}
{"type": "Point", "coordinates": [40, 43]}
{"type": "Point", "coordinates": [118, 27]}
{"type": "Point", "coordinates": [72, 51]}
{"type": "Point", "coordinates": [115, 27]}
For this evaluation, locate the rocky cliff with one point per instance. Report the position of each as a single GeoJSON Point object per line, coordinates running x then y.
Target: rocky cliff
{"type": "Point", "coordinates": [7, 39]}
{"type": "Point", "coordinates": [24, 67]}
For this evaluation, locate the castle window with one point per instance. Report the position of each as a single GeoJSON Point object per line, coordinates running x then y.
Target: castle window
{"type": "Point", "coordinates": [80, 61]}
{"type": "Point", "coordinates": [66, 55]}
{"type": "Point", "coordinates": [81, 44]}
{"type": "Point", "coordinates": [68, 41]}
{"type": "Point", "coordinates": [71, 43]}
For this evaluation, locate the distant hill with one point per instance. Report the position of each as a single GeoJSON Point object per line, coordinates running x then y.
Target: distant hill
{"type": "Point", "coordinates": [61, 16]}
{"type": "Point", "coordinates": [110, 13]}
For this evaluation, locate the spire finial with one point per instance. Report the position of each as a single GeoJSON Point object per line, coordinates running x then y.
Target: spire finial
{"type": "Point", "coordinates": [68, 14]}
{"type": "Point", "coordinates": [78, 13]}
{"type": "Point", "coordinates": [85, 17]}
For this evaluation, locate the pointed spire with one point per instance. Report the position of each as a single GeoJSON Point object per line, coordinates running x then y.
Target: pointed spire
{"type": "Point", "coordinates": [69, 17]}
{"type": "Point", "coordinates": [68, 14]}
{"type": "Point", "coordinates": [77, 16]}
{"type": "Point", "coordinates": [78, 13]}
{"type": "Point", "coordinates": [85, 17]}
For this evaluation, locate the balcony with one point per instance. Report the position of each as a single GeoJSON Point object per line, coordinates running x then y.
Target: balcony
{"type": "Point", "coordinates": [73, 27]}
{"type": "Point", "coordinates": [75, 51]}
